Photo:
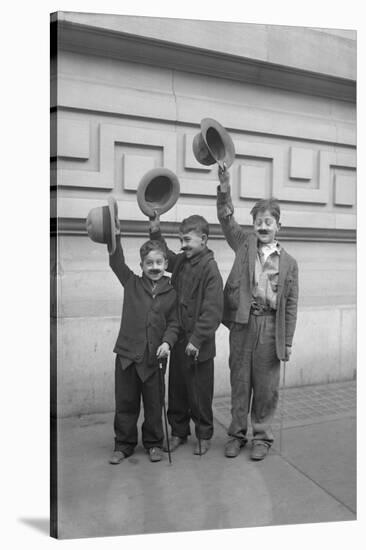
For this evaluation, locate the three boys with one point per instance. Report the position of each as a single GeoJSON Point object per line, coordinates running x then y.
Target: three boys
{"type": "Point", "coordinates": [259, 305]}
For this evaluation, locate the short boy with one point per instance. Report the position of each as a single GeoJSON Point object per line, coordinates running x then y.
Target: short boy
{"type": "Point", "coordinates": [149, 328]}
{"type": "Point", "coordinates": [198, 283]}
{"type": "Point", "coordinates": [260, 308]}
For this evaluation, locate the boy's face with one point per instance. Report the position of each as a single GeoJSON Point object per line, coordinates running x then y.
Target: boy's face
{"type": "Point", "coordinates": [192, 243]}
{"type": "Point", "coordinates": [154, 265]}
{"type": "Point", "coordinates": [266, 227]}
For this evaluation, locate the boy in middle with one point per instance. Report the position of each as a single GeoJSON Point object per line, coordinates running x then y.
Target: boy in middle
{"type": "Point", "coordinates": [198, 283]}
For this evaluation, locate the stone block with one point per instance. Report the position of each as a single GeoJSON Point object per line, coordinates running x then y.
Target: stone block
{"type": "Point", "coordinates": [320, 361]}
{"type": "Point", "coordinates": [134, 168]}
{"type": "Point", "coordinates": [344, 190]}
{"type": "Point", "coordinates": [348, 343]}
{"type": "Point", "coordinates": [254, 181]}
{"type": "Point", "coordinates": [301, 163]}
{"type": "Point", "coordinates": [193, 186]}
{"type": "Point", "coordinates": [73, 138]}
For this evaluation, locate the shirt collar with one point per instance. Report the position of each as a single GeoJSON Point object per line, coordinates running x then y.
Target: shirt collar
{"type": "Point", "coordinates": [155, 285]}
{"type": "Point", "coordinates": [198, 257]}
{"type": "Point", "coordinates": [267, 249]}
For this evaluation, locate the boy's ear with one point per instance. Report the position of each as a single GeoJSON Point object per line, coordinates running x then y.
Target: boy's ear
{"type": "Point", "coordinates": [279, 226]}
{"type": "Point", "coordinates": [204, 238]}
{"type": "Point", "coordinates": [165, 264]}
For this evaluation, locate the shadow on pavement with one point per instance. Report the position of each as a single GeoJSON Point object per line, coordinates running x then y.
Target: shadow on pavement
{"type": "Point", "coordinates": [40, 524]}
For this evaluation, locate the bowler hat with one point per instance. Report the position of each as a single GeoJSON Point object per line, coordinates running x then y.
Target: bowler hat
{"type": "Point", "coordinates": [102, 224]}
{"type": "Point", "coordinates": [157, 191]}
{"type": "Point", "coordinates": [213, 144]}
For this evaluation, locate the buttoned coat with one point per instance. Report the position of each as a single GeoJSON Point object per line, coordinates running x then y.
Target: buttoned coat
{"type": "Point", "coordinates": [205, 302]}
{"type": "Point", "coordinates": [147, 321]}
{"type": "Point", "coordinates": [238, 289]}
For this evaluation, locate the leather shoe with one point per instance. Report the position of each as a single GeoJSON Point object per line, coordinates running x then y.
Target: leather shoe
{"type": "Point", "coordinates": [259, 451]}
{"type": "Point", "coordinates": [174, 443]}
{"type": "Point", "coordinates": [117, 457]}
{"type": "Point", "coordinates": [233, 446]}
{"type": "Point", "coordinates": [155, 454]}
{"type": "Point", "coordinates": [205, 445]}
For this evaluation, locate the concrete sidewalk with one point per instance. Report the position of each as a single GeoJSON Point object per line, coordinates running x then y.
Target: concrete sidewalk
{"type": "Point", "coordinates": [312, 480]}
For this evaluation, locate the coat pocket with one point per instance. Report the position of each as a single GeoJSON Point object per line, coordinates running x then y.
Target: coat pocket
{"type": "Point", "coordinates": [231, 295]}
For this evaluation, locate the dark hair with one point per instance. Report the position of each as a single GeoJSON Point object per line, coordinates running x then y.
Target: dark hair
{"type": "Point", "coordinates": [195, 223]}
{"type": "Point", "coordinates": [272, 205]}
{"type": "Point", "coordinates": [147, 247]}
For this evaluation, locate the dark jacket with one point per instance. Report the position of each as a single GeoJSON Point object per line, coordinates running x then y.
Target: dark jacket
{"type": "Point", "coordinates": [205, 302]}
{"type": "Point", "coordinates": [239, 285]}
{"type": "Point", "coordinates": [146, 321]}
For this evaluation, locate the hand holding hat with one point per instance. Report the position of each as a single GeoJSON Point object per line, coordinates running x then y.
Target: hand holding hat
{"type": "Point", "coordinates": [224, 178]}
{"type": "Point", "coordinates": [102, 224]}
{"type": "Point", "coordinates": [154, 222]}
{"type": "Point", "coordinates": [157, 192]}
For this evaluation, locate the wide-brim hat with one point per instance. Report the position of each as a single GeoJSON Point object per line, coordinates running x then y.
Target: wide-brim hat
{"type": "Point", "coordinates": [102, 224]}
{"type": "Point", "coordinates": [157, 191]}
{"type": "Point", "coordinates": [213, 144]}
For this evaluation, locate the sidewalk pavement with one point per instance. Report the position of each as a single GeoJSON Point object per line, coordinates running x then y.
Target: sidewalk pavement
{"type": "Point", "coordinates": [312, 479]}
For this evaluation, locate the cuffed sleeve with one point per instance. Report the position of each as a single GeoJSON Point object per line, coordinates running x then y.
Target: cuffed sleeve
{"type": "Point", "coordinates": [225, 206]}
{"type": "Point", "coordinates": [234, 234]}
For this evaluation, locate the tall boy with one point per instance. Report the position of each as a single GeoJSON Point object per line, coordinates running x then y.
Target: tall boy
{"type": "Point", "coordinates": [260, 308]}
{"type": "Point", "coordinates": [198, 283]}
{"type": "Point", "coordinates": [149, 328]}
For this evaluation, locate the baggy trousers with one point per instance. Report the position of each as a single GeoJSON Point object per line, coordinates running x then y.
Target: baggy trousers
{"type": "Point", "coordinates": [254, 374]}
{"type": "Point", "coordinates": [128, 391]}
{"type": "Point", "coordinates": [190, 393]}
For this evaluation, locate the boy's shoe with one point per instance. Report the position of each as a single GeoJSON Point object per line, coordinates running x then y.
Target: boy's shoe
{"type": "Point", "coordinates": [233, 446]}
{"type": "Point", "coordinates": [205, 445]}
{"type": "Point", "coordinates": [117, 457]}
{"type": "Point", "coordinates": [174, 443]}
{"type": "Point", "coordinates": [155, 454]}
{"type": "Point", "coordinates": [259, 450]}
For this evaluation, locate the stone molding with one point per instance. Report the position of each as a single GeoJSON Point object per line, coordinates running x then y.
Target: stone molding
{"type": "Point", "coordinates": [138, 49]}
{"type": "Point", "coordinates": [133, 228]}
{"type": "Point", "coordinates": [122, 154]}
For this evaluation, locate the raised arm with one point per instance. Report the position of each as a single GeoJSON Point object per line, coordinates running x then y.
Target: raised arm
{"type": "Point", "coordinates": [118, 264]}
{"type": "Point", "coordinates": [155, 234]}
{"type": "Point", "coordinates": [234, 234]}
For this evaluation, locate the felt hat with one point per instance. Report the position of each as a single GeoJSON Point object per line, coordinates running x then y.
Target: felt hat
{"type": "Point", "coordinates": [102, 224]}
{"type": "Point", "coordinates": [213, 144]}
{"type": "Point", "coordinates": [157, 191]}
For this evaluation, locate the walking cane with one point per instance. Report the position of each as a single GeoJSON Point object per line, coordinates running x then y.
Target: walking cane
{"type": "Point", "coordinates": [282, 403]}
{"type": "Point", "coordinates": [164, 407]}
{"type": "Point", "coordinates": [198, 404]}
